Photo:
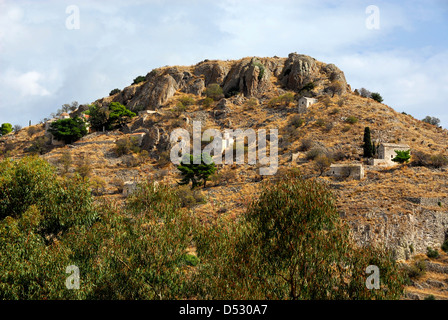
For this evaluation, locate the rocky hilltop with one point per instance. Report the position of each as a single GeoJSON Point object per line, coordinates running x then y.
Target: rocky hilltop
{"type": "Point", "coordinates": [253, 77]}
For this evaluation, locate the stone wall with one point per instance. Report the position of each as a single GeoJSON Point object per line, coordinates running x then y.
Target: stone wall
{"type": "Point", "coordinates": [355, 171]}
{"type": "Point", "coordinates": [405, 234]}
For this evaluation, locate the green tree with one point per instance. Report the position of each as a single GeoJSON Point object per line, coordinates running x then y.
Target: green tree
{"type": "Point", "coordinates": [99, 117]}
{"type": "Point", "coordinates": [68, 130]}
{"type": "Point", "coordinates": [6, 128]}
{"type": "Point", "coordinates": [368, 146]}
{"type": "Point", "coordinates": [291, 244]}
{"type": "Point", "coordinates": [432, 120]}
{"type": "Point", "coordinates": [119, 115]}
{"type": "Point", "coordinates": [111, 117]}
{"type": "Point", "coordinates": [377, 97]}
{"type": "Point", "coordinates": [403, 156]}
{"type": "Point", "coordinates": [196, 173]}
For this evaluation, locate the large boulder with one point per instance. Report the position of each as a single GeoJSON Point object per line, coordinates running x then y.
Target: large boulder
{"type": "Point", "coordinates": [211, 71]}
{"type": "Point", "coordinates": [249, 76]}
{"type": "Point", "coordinates": [298, 70]}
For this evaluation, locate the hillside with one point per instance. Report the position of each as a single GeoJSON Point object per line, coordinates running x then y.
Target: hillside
{"type": "Point", "coordinates": [403, 207]}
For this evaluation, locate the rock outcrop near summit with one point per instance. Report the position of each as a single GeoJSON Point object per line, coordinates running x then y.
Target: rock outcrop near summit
{"type": "Point", "coordinates": [251, 77]}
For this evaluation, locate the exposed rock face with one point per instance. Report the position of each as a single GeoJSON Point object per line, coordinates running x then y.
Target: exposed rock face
{"type": "Point", "coordinates": [405, 234]}
{"type": "Point", "coordinates": [299, 70]}
{"type": "Point", "coordinates": [211, 71]}
{"type": "Point", "coordinates": [251, 77]}
{"type": "Point", "coordinates": [222, 109]}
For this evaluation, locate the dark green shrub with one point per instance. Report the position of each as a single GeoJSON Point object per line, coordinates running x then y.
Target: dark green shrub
{"type": "Point", "coordinates": [402, 156]}
{"type": "Point", "coordinates": [430, 297]}
{"type": "Point", "coordinates": [5, 128]}
{"type": "Point", "coordinates": [138, 80]}
{"type": "Point", "coordinates": [68, 130]}
{"type": "Point", "coordinates": [214, 91]}
{"type": "Point", "coordinates": [196, 173]}
{"type": "Point", "coordinates": [119, 115]}
{"type": "Point", "coordinates": [377, 97]}
{"type": "Point", "coordinates": [367, 146]}
{"type": "Point", "coordinates": [445, 246]}
{"type": "Point", "coordinates": [114, 92]}
{"type": "Point", "coordinates": [416, 270]}
{"type": "Point", "coordinates": [432, 253]}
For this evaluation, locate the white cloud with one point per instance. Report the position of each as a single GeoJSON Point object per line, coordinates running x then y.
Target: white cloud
{"type": "Point", "coordinates": [25, 84]}
{"type": "Point", "coordinates": [43, 65]}
{"type": "Point", "coordinates": [410, 81]}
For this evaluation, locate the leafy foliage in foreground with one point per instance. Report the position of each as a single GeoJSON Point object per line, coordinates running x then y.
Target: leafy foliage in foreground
{"type": "Point", "coordinates": [289, 245]}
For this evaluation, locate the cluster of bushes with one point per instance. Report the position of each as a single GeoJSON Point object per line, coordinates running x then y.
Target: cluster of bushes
{"type": "Point", "coordinates": [114, 116]}
{"type": "Point", "coordinates": [214, 92]}
{"type": "Point", "coordinates": [290, 244]}
{"type": "Point", "coordinates": [432, 120]}
{"type": "Point", "coordinates": [126, 145]}
{"type": "Point", "coordinates": [422, 159]}
{"type": "Point", "coordinates": [363, 92]}
{"type": "Point", "coordinates": [284, 99]}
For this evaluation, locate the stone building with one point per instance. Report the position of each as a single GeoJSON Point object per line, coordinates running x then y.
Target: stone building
{"type": "Point", "coordinates": [306, 102]}
{"type": "Point", "coordinates": [227, 141]}
{"type": "Point", "coordinates": [355, 171]}
{"type": "Point", "coordinates": [386, 152]}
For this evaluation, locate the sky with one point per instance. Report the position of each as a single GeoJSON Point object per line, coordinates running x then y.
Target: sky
{"type": "Point", "coordinates": [56, 52]}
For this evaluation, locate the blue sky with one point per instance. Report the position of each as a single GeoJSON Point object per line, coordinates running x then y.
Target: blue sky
{"type": "Point", "coordinates": [43, 64]}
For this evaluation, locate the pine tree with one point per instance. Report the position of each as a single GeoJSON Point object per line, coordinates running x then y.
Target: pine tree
{"type": "Point", "coordinates": [402, 156]}
{"type": "Point", "coordinates": [368, 146]}
{"type": "Point", "coordinates": [196, 172]}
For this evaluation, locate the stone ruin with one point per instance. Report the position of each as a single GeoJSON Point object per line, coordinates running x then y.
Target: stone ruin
{"type": "Point", "coordinates": [355, 171]}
